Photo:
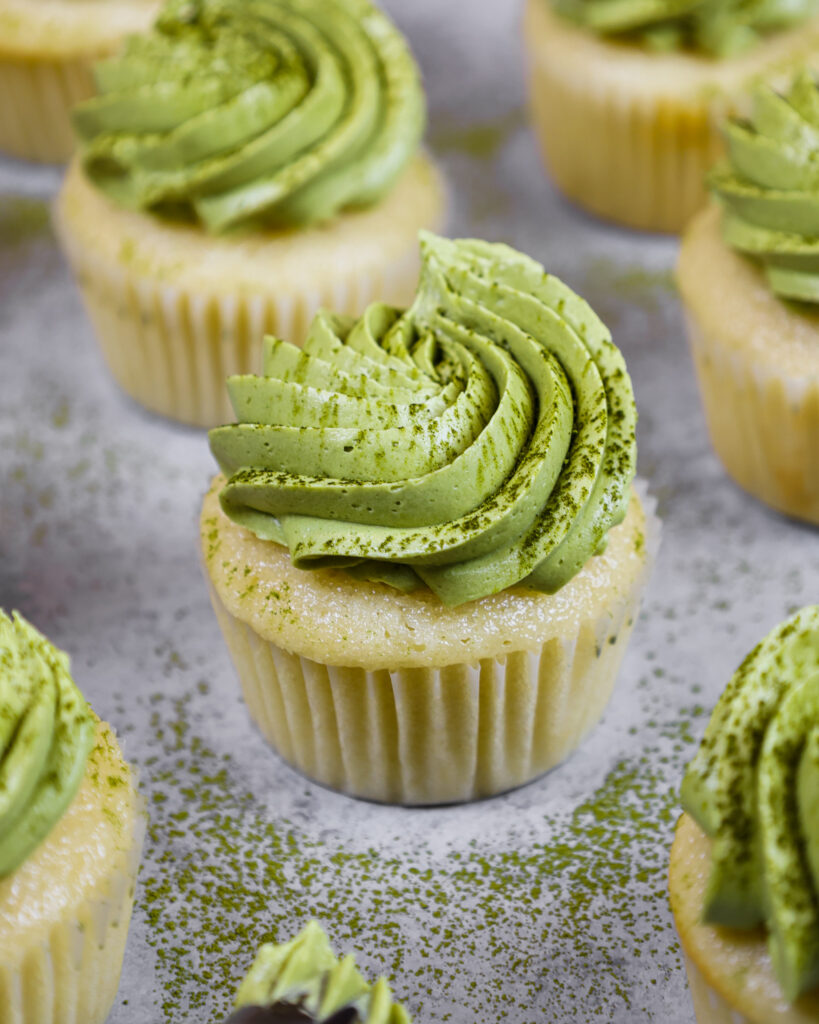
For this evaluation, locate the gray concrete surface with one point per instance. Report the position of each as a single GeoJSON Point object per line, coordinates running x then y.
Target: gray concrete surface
{"type": "Point", "coordinates": [546, 905]}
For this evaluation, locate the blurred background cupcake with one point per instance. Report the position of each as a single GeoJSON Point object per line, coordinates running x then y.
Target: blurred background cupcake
{"type": "Point", "coordinates": [426, 553]}
{"type": "Point", "coordinates": [70, 838]}
{"type": "Point", "coordinates": [744, 876]}
{"type": "Point", "coordinates": [627, 95]}
{"type": "Point", "coordinates": [47, 48]}
{"type": "Point", "coordinates": [243, 165]}
{"type": "Point", "coordinates": [748, 274]}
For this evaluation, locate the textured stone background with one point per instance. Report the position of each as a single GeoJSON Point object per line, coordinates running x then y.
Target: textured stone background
{"type": "Point", "coordinates": [547, 905]}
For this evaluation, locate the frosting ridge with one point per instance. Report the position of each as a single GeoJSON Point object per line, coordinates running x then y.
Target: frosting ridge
{"type": "Point", "coordinates": [769, 188]}
{"type": "Point", "coordinates": [482, 438]}
{"type": "Point", "coordinates": [254, 112]}
{"type": "Point", "coordinates": [46, 735]}
{"type": "Point", "coordinates": [753, 787]}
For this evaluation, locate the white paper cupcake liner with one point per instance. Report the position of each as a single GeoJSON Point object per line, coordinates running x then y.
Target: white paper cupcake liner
{"type": "Point", "coordinates": [72, 976]}
{"type": "Point", "coordinates": [171, 349]}
{"type": "Point", "coordinates": [709, 1005]}
{"type": "Point", "coordinates": [36, 97]}
{"type": "Point", "coordinates": [438, 734]}
{"type": "Point", "coordinates": [176, 312]}
{"type": "Point", "coordinates": [637, 161]}
{"type": "Point", "coordinates": [764, 424]}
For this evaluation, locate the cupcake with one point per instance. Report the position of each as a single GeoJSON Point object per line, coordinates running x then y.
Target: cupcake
{"type": "Point", "coordinates": [47, 48]}
{"type": "Point", "coordinates": [70, 836]}
{"type": "Point", "coordinates": [425, 550]}
{"type": "Point", "coordinates": [748, 275]}
{"type": "Point", "coordinates": [626, 96]}
{"type": "Point", "coordinates": [744, 876]}
{"type": "Point", "coordinates": [303, 981]}
{"type": "Point", "coordinates": [244, 164]}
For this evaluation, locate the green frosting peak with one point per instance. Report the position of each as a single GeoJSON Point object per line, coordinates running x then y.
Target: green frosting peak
{"type": "Point", "coordinates": [303, 980]}
{"type": "Point", "coordinates": [769, 187]}
{"type": "Point", "coordinates": [717, 28]}
{"type": "Point", "coordinates": [46, 735]}
{"type": "Point", "coordinates": [254, 112]}
{"type": "Point", "coordinates": [754, 788]}
{"type": "Point", "coordinates": [482, 438]}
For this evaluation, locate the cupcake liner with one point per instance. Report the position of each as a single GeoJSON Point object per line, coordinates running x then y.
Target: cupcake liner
{"type": "Point", "coordinates": [172, 349]}
{"type": "Point", "coordinates": [440, 733]}
{"type": "Point", "coordinates": [47, 51]}
{"type": "Point", "coordinates": [177, 314]}
{"type": "Point", "coordinates": [709, 1005]}
{"type": "Point", "coordinates": [72, 975]}
{"type": "Point", "coordinates": [37, 97]}
{"type": "Point", "coordinates": [764, 425]}
{"type": "Point", "coordinates": [757, 361]}
{"type": "Point", "coordinates": [629, 158]}
{"type": "Point", "coordinates": [629, 134]}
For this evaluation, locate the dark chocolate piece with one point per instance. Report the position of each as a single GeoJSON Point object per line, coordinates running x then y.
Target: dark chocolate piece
{"type": "Point", "coordinates": [288, 1013]}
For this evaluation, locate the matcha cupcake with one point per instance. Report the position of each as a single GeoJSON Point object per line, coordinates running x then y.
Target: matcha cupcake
{"type": "Point", "coordinates": [47, 48]}
{"type": "Point", "coordinates": [744, 876]}
{"type": "Point", "coordinates": [70, 836]}
{"type": "Point", "coordinates": [245, 163]}
{"type": "Point", "coordinates": [303, 981]}
{"type": "Point", "coordinates": [748, 275]}
{"type": "Point", "coordinates": [425, 550]}
{"type": "Point", "coordinates": [627, 95]}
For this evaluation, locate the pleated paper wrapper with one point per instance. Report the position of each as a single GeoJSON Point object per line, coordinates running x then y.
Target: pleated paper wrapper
{"type": "Point", "coordinates": [757, 362]}
{"type": "Point", "coordinates": [764, 426]}
{"type": "Point", "coordinates": [176, 311]}
{"type": "Point", "coordinates": [36, 97]}
{"type": "Point", "coordinates": [47, 52]}
{"type": "Point", "coordinates": [72, 975]}
{"type": "Point", "coordinates": [441, 733]}
{"type": "Point", "coordinates": [709, 1006]}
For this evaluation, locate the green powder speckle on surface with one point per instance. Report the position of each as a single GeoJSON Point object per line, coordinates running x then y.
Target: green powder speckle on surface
{"type": "Point", "coordinates": [229, 873]}
{"type": "Point", "coordinates": [22, 220]}
{"type": "Point", "coordinates": [480, 140]}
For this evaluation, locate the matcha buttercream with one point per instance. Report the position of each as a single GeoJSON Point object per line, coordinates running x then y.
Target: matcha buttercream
{"type": "Point", "coordinates": [46, 735]}
{"type": "Point", "coordinates": [718, 28]}
{"type": "Point", "coordinates": [481, 439]}
{"type": "Point", "coordinates": [753, 787]}
{"type": "Point", "coordinates": [254, 112]}
{"type": "Point", "coordinates": [303, 981]}
{"type": "Point", "coordinates": [769, 188]}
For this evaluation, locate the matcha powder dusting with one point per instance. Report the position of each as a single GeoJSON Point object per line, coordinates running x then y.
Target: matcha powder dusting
{"type": "Point", "coordinates": [515, 919]}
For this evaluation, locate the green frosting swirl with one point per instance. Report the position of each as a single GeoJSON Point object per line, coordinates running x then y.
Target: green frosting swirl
{"type": "Point", "coordinates": [304, 975]}
{"type": "Point", "coordinates": [255, 112]}
{"type": "Point", "coordinates": [754, 788]}
{"type": "Point", "coordinates": [770, 186]}
{"type": "Point", "coordinates": [718, 28]}
{"type": "Point", "coordinates": [46, 734]}
{"type": "Point", "coordinates": [483, 438]}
